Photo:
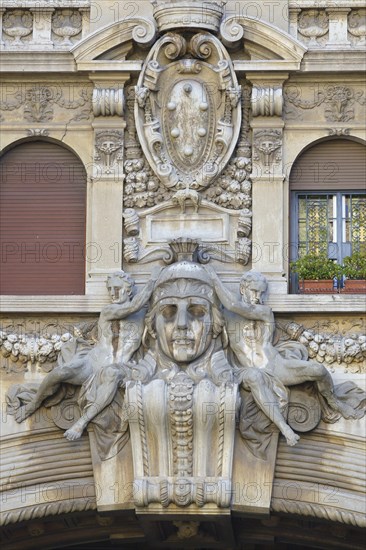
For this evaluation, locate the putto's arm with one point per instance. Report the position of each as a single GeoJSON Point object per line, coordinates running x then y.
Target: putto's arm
{"type": "Point", "coordinates": [231, 302]}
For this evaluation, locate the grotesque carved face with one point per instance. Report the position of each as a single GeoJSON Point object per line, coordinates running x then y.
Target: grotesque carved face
{"type": "Point", "coordinates": [183, 327]}
{"type": "Point", "coordinates": [119, 288]}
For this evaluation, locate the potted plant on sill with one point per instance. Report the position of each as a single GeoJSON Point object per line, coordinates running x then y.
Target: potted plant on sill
{"type": "Point", "coordinates": [316, 273]}
{"type": "Point", "coordinates": [354, 273]}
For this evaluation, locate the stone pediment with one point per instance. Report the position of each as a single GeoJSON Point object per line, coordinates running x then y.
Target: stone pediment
{"type": "Point", "coordinates": [258, 45]}
{"type": "Point", "coordinates": [93, 52]}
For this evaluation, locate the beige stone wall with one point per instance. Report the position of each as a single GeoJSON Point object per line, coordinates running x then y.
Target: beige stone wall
{"type": "Point", "coordinates": [295, 103]}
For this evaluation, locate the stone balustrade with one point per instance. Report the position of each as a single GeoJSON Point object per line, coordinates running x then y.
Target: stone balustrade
{"type": "Point", "coordinates": [43, 25]}
{"type": "Point", "coordinates": [327, 24]}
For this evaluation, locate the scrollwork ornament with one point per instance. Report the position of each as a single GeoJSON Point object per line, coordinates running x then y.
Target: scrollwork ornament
{"type": "Point", "coordinates": [144, 32]}
{"type": "Point", "coordinates": [173, 46]}
{"type": "Point", "coordinates": [231, 31]}
{"type": "Point", "coordinates": [201, 46]}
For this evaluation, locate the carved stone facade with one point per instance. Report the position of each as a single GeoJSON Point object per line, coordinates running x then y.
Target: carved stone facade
{"type": "Point", "coordinates": [192, 392]}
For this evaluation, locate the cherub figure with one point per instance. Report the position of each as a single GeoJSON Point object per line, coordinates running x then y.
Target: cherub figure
{"type": "Point", "coordinates": [102, 367]}
{"type": "Point", "coordinates": [254, 347]}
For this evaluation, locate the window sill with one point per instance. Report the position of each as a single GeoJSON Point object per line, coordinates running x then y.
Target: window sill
{"type": "Point", "coordinates": [93, 303]}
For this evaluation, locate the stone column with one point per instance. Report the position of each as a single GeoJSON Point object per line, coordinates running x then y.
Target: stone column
{"type": "Point", "coordinates": [268, 178]}
{"type": "Point", "coordinates": [338, 24]}
{"type": "Point", "coordinates": [105, 198]}
{"type": "Point", "coordinates": [42, 25]}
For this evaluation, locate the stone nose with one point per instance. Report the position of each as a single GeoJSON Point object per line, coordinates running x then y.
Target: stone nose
{"type": "Point", "coordinates": [182, 316]}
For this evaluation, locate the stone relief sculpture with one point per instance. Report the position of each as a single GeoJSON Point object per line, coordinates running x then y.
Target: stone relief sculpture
{"type": "Point", "coordinates": [187, 133]}
{"type": "Point", "coordinates": [99, 369]}
{"type": "Point", "coordinates": [181, 372]}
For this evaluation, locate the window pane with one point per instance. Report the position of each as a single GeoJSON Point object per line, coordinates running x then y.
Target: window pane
{"type": "Point", "coordinates": [357, 222]}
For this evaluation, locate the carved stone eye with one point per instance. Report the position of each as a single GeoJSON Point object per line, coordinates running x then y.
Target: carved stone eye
{"type": "Point", "coordinates": [169, 311]}
{"type": "Point", "coordinates": [197, 310]}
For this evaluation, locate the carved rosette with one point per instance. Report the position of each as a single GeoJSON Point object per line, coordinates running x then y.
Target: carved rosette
{"type": "Point", "coordinates": [188, 110]}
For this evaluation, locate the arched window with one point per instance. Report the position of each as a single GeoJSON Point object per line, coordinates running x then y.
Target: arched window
{"type": "Point", "coordinates": [328, 201]}
{"type": "Point", "coordinates": [43, 213]}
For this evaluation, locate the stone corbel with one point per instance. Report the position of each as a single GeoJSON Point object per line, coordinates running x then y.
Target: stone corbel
{"type": "Point", "coordinates": [267, 94]}
{"type": "Point", "coordinates": [338, 25]}
{"type": "Point", "coordinates": [42, 27]}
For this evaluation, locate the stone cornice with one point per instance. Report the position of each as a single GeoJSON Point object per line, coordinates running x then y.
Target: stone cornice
{"type": "Point", "coordinates": [93, 303]}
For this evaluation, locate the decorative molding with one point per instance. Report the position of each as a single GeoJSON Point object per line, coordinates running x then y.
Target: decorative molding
{"type": "Point", "coordinates": [51, 509]}
{"type": "Point", "coordinates": [40, 100]}
{"type": "Point", "coordinates": [339, 131]}
{"type": "Point", "coordinates": [44, 25]}
{"type": "Point", "coordinates": [332, 349]}
{"type": "Point", "coordinates": [318, 511]}
{"type": "Point", "coordinates": [25, 351]}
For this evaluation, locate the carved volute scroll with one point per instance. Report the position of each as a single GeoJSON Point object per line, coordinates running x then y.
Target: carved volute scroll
{"type": "Point", "coordinates": [188, 110]}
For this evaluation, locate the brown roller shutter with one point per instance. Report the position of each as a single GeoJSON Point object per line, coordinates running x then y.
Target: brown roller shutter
{"type": "Point", "coordinates": [42, 224]}
{"type": "Point", "coordinates": [335, 165]}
